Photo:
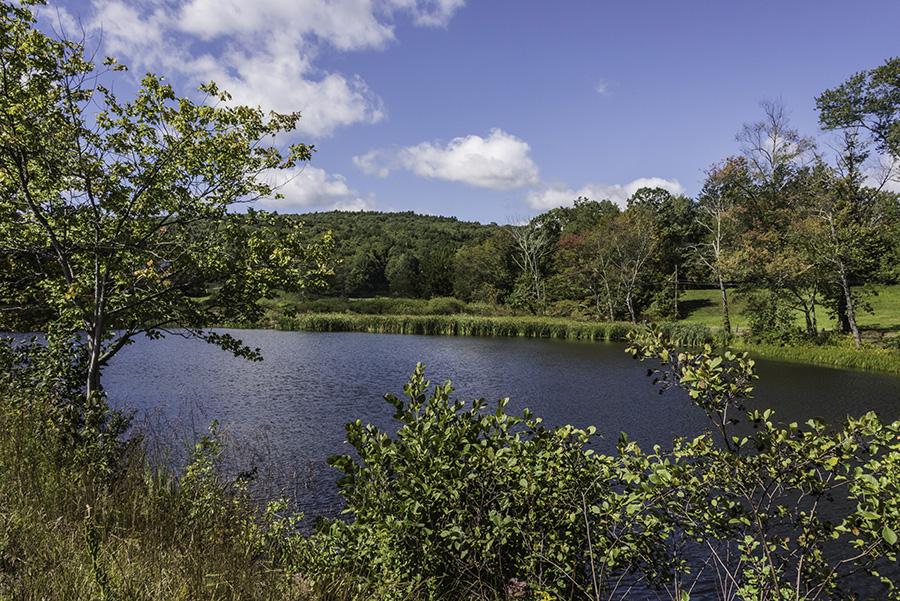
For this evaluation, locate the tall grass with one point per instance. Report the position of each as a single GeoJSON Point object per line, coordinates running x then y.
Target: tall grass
{"type": "Point", "coordinates": [841, 357]}
{"type": "Point", "coordinates": [468, 325]}
{"type": "Point", "coordinates": [456, 325]}
{"type": "Point", "coordinates": [72, 527]}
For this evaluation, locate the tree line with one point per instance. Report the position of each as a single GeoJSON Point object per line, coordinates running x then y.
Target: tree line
{"type": "Point", "coordinates": [802, 227]}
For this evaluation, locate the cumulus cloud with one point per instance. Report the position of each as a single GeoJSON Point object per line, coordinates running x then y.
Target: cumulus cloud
{"type": "Point", "coordinates": [307, 188]}
{"type": "Point", "coordinates": [548, 196]}
{"type": "Point", "coordinates": [264, 52]}
{"type": "Point", "coordinates": [498, 162]}
{"type": "Point", "coordinates": [344, 24]}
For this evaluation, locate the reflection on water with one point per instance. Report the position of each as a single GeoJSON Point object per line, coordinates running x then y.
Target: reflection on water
{"type": "Point", "coordinates": [291, 408]}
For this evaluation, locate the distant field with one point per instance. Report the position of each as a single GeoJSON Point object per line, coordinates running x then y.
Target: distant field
{"type": "Point", "coordinates": [705, 307]}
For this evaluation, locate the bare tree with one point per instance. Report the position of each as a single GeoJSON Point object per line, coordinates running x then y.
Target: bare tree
{"type": "Point", "coordinates": [633, 239]}
{"type": "Point", "coordinates": [532, 243]}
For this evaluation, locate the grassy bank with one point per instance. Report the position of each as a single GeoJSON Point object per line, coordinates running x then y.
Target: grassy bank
{"type": "Point", "coordinates": [841, 357]}
{"type": "Point", "coordinates": [701, 325]}
{"type": "Point", "coordinates": [468, 325]}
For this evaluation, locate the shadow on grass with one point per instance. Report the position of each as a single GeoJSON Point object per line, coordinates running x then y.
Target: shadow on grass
{"type": "Point", "coordinates": [883, 329]}
{"type": "Point", "coordinates": [687, 307]}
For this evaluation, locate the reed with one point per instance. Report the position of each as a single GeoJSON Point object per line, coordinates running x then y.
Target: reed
{"type": "Point", "coordinates": [868, 359]}
{"type": "Point", "coordinates": [461, 325]}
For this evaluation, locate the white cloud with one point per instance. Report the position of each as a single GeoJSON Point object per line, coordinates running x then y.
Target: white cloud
{"type": "Point", "coordinates": [602, 88]}
{"type": "Point", "coordinates": [498, 162]}
{"type": "Point", "coordinates": [307, 188]}
{"type": "Point", "coordinates": [264, 52]}
{"type": "Point", "coordinates": [344, 24]}
{"type": "Point", "coordinates": [139, 36]}
{"type": "Point", "coordinates": [430, 13]}
{"type": "Point", "coordinates": [549, 196]}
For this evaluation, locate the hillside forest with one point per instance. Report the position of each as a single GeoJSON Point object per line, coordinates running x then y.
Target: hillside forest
{"type": "Point", "coordinates": [792, 228]}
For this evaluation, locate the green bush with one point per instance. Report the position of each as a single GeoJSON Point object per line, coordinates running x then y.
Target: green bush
{"type": "Point", "coordinates": [564, 308]}
{"type": "Point", "coordinates": [770, 321]}
{"type": "Point", "coordinates": [470, 503]}
{"type": "Point", "coordinates": [445, 305]}
{"type": "Point", "coordinates": [796, 511]}
{"type": "Point", "coordinates": [463, 503]}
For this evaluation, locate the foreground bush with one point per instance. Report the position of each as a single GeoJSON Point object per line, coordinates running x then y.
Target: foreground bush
{"type": "Point", "coordinates": [464, 502]}
{"type": "Point", "coordinates": [476, 503]}
{"type": "Point", "coordinates": [458, 503]}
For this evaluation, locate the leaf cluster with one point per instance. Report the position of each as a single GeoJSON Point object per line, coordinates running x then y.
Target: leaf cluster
{"type": "Point", "coordinates": [466, 501]}
{"type": "Point", "coordinates": [117, 215]}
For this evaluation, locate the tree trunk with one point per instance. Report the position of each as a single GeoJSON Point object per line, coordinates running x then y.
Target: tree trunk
{"type": "Point", "coordinates": [630, 304]}
{"type": "Point", "coordinates": [851, 317]}
{"type": "Point", "coordinates": [726, 322]}
{"type": "Point", "coordinates": [809, 324]}
{"type": "Point", "coordinates": [95, 338]}
{"type": "Point", "coordinates": [609, 302]}
{"type": "Point", "coordinates": [815, 323]}
{"type": "Point", "coordinates": [843, 324]}
{"type": "Point", "coordinates": [675, 315]}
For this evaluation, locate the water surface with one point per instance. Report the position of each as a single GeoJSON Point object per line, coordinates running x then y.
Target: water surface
{"type": "Point", "coordinates": [291, 408]}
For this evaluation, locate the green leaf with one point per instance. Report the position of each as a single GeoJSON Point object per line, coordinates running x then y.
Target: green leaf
{"type": "Point", "coordinates": [889, 536]}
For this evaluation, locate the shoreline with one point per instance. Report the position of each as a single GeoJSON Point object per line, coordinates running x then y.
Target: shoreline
{"type": "Point", "coordinates": [682, 333]}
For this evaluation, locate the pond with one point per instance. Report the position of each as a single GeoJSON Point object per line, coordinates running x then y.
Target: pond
{"type": "Point", "coordinates": [289, 410]}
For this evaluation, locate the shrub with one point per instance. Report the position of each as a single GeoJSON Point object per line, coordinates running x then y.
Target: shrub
{"type": "Point", "coordinates": [564, 308]}
{"type": "Point", "coordinates": [465, 502]}
{"type": "Point", "coordinates": [445, 305]}
{"type": "Point", "coordinates": [770, 320]}
{"type": "Point", "coordinates": [782, 512]}
{"type": "Point", "coordinates": [477, 504]}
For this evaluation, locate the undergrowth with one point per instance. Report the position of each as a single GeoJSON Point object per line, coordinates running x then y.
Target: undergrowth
{"type": "Point", "coordinates": [457, 503]}
{"type": "Point", "coordinates": [141, 531]}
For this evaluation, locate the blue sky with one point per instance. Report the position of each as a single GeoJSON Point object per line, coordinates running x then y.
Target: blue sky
{"type": "Point", "coordinates": [497, 110]}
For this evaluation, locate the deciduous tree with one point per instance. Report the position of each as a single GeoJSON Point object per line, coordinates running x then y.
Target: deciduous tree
{"type": "Point", "coordinates": [716, 216]}
{"type": "Point", "coordinates": [533, 243]}
{"type": "Point", "coordinates": [633, 238]}
{"type": "Point", "coordinates": [116, 213]}
{"type": "Point", "coordinates": [868, 101]}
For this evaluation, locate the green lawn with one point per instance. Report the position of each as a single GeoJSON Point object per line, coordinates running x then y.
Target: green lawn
{"type": "Point", "coordinates": [705, 307]}
{"type": "Point", "coordinates": [885, 315]}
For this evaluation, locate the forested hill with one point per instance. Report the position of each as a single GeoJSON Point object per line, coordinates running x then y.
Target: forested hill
{"type": "Point", "coordinates": [404, 254]}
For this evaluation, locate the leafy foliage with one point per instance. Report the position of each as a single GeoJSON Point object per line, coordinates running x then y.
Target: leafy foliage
{"type": "Point", "coordinates": [461, 500]}
{"type": "Point", "coordinates": [784, 512]}
{"type": "Point", "coordinates": [869, 100]}
{"type": "Point", "coordinates": [469, 502]}
{"type": "Point", "coordinates": [115, 215]}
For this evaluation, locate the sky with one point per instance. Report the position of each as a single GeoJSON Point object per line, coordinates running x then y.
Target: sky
{"type": "Point", "coordinates": [496, 110]}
